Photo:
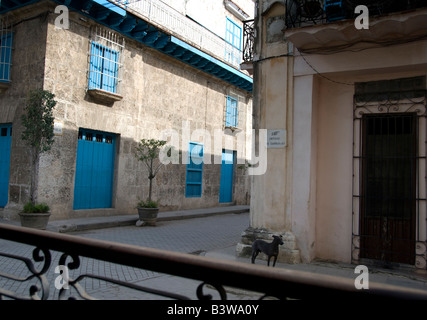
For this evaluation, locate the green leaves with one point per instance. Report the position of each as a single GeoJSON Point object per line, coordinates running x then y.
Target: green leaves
{"type": "Point", "coordinates": [148, 149]}
{"type": "Point", "coordinates": [38, 120]}
{"type": "Point", "coordinates": [147, 204]}
{"type": "Point", "coordinates": [35, 208]}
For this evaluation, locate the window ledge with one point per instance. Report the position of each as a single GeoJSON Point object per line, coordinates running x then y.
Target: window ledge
{"type": "Point", "coordinates": [4, 86]}
{"type": "Point", "coordinates": [233, 129]}
{"type": "Point", "coordinates": [104, 96]}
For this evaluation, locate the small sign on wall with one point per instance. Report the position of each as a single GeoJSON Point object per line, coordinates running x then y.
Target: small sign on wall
{"type": "Point", "coordinates": [58, 127]}
{"type": "Point", "coordinates": [276, 138]}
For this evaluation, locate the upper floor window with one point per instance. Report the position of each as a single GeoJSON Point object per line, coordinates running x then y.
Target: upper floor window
{"type": "Point", "coordinates": [233, 34]}
{"type": "Point", "coordinates": [233, 37]}
{"type": "Point", "coordinates": [105, 64]}
{"type": "Point", "coordinates": [231, 112]}
{"type": "Point", "coordinates": [5, 56]}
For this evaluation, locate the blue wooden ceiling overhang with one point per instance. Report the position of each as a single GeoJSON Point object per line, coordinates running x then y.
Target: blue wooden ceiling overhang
{"type": "Point", "coordinates": [133, 26]}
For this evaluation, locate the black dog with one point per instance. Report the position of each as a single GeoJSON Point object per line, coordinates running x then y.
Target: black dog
{"type": "Point", "coordinates": [270, 249]}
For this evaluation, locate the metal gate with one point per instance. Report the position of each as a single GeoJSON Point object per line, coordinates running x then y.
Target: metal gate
{"type": "Point", "coordinates": [389, 170]}
{"type": "Point", "coordinates": [5, 146]}
{"type": "Point", "coordinates": [387, 217]}
{"type": "Point", "coordinates": [94, 170]}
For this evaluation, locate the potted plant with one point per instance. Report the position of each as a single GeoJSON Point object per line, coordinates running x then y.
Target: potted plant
{"type": "Point", "coordinates": [148, 151]}
{"type": "Point", "coordinates": [38, 134]}
{"type": "Point", "coordinates": [35, 215]}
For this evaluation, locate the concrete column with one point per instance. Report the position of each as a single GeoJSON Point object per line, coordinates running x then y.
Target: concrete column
{"type": "Point", "coordinates": [303, 199]}
{"type": "Point", "coordinates": [270, 192]}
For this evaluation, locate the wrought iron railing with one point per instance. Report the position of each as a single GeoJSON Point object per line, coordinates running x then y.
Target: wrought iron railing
{"type": "Point", "coordinates": [248, 40]}
{"type": "Point", "coordinates": [310, 12]}
{"type": "Point", "coordinates": [219, 274]}
{"type": "Point", "coordinates": [164, 16]}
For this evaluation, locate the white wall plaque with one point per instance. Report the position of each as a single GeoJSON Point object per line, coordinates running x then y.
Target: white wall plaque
{"type": "Point", "coordinates": [276, 138]}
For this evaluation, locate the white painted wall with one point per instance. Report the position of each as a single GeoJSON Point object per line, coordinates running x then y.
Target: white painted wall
{"type": "Point", "coordinates": [323, 223]}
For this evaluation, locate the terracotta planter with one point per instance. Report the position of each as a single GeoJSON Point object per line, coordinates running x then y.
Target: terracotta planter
{"type": "Point", "coordinates": [147, 216]}
{"type": "Point", "coordinates": [34, 220]}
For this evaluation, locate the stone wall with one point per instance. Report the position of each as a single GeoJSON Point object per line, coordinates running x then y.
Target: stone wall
{"type": "Point", "coordinates": [158, 93]}
{"type": "Point", "coordinates": [29, 48]}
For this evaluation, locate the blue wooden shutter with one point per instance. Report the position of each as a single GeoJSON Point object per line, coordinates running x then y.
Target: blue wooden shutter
{"type": "Point", "coordinates": [233, 34]}
{"type": "Point", "coordinates": [226, 182]}
{"type": "Point", "coordinates": [5, 148]}
{"type": "Point", "coordinates": [194, 170]}
{"type": "Point", "coordinates": [5, 57]}
{"type": "Point", "coordinates": [231, 112]}
{"type": "Point", "coordinates": [110, 70]}
{"type": "Point", "coordinates": [95, 68]}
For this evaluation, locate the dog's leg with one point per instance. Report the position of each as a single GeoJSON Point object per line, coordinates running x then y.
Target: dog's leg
{"type": "Point", "coordinates": [254, 255]}
{"type": "Point", "coordinates": [268, 261]}
{"type": "Point", "coordinates": [274, 262]}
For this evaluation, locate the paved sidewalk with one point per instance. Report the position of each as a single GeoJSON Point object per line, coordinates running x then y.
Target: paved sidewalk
{"type": "Point", "coordinates": [91, 223]}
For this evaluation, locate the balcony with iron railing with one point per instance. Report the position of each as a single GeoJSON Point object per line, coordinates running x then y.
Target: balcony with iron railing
{"type": "Point", "coordinates": [248, 45]}
{"type": "Point", "coordinates": [328, 26]}
{"type": "Point", "coordinates": [302, 13]}
{"type": "Point", "coordinates": [167, 18]}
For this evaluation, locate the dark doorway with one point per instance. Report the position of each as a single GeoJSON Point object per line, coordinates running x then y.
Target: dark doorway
{"type": "Point", "coordinates": [388, 199]}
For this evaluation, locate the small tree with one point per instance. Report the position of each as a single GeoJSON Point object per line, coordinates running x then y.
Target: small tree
{"type": "Point", "coordinates": [148, 151]}
{"type": "Point", "coordinates": [38, 133]}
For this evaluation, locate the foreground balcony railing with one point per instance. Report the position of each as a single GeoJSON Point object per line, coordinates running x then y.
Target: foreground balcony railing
{"type": "Point", "coordinates": [217, 274]}
{"type": "Point", "coordinates": [165, 17]}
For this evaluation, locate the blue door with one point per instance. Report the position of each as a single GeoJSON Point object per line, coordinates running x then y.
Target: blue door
{"type": "Point", "coordinates": [93, 186]}
{"type": "Point", "coordinates": [5, 145]}
{"type": "Point", "coordinates": [226, 184]}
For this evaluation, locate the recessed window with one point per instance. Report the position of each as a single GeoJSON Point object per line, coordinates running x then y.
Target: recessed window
{"type": "Point", "coordinates": [105, 62]}
{"type": "Point", "coordinates": [231, 112]}
{"type": "Point", "coordinates": [233, 37]}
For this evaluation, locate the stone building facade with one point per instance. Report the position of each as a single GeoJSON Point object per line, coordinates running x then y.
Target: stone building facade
{"type": "Point", "coordinates": [145, 89]}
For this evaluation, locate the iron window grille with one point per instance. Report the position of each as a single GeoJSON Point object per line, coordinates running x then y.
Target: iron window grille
{"type": "Point", "coordinates": [105, 61]}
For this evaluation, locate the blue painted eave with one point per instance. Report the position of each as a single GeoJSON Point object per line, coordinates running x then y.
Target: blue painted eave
{"type": "Point", "coordinates": [118, 18]}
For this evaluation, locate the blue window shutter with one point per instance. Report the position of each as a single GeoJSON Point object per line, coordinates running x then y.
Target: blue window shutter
{"type": "Point", "coordinates": [110, 70]}
{"type": "Point", "coordinates": [104, 68]}
{"type": "Point", "coordinates": [194, 177]}
{"type": "Point", "coordinates": [235, 110]}
{"type": "Point", "coordinates": [95, 68]}
{"type": "Point", "coordinates": [5, 56]}
{"type": "Point", "coordinates": [231, 112]}
{"type": "Point", "coordinates": [233, 34]}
